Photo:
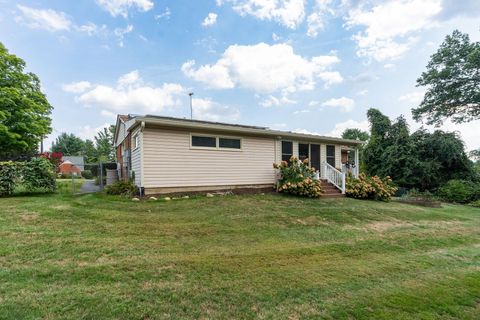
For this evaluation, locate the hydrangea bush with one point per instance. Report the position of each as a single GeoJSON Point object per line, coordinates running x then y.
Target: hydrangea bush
{"type": "Point", "coordinates": [297, 178]}
{"type": "Point", "coordinates": [373, 188]}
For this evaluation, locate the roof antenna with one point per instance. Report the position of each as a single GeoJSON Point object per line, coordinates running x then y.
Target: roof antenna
{"type": "Point", "coordinates": [191, 107]}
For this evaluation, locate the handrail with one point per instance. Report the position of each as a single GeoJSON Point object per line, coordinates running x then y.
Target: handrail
{"type": "Point", "coordinates": [335, 177]}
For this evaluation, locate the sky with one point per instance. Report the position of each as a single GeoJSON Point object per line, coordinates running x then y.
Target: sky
{"type": "Point", "coordinates": [312, 66]}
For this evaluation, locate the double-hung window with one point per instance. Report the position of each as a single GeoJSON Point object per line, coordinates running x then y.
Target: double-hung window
{"type": "Point", "coordinates": [287, 150]}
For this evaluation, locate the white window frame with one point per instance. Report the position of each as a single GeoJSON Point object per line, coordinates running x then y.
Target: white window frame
{"type": "Point", "coordinates": [217, 142]}
{"type": "Point", "coordinates": [136, 141]}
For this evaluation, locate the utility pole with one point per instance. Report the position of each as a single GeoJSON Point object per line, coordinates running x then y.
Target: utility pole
{"type": "Point", "coordinates": [191, 107]}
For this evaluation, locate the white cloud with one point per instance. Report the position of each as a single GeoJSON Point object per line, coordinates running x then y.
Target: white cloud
{"type": "Point", "coordinates": [164, 15]}
{"type": "Point", "coordinates": [331, 77]}
{"type": "Point", "coordinates": [206, 109]}
{"type": "Point", "coordinates": [210, 20]}
{"type": "Point", "coordinates": [88, 132]}
{"type": "Point", "coordinates": [343, 103]}
{"type": "Point", "coordinates": [413, 97]}
{"type": "Point", "coordinates": [362, 92]}
{"type": "Point", "coordinates": [108, 114]}
{"type": "Point", "coordinates": [301, 111]}
{"type": "Point", "coordinates": [121, 7]}
{"type": "Point", "coordinates": [264, 68]}
{"type": "Point", "coordinates": [76, 87]}
{"type": "Point", "coordinates": [121, 32]}
{"type": "Point", "coordinates": [91, 29]}
{"type": "Point", "coordinates": [317, 19]}
{"type": "Point", "coordinates": [274, 101]}
{"type": "Point", "coordinates": [389, 24]}
{"type": "Point", "coordinates": [305, 131]}
{"type": "Point", "coordinates": [349, 124]}
{"type": "Point", "coordinates": [275, 37]}
{"type": "Point", "coordinates": [129, 78]}
{"type": "Point", "coordinates": [389, 66]}
{"type": "Point", "coordinates": [289, 13]}
{"type": "Point", "coordinates": [131, 95]}
{"type": "Point", "coordinates": [47, 19]}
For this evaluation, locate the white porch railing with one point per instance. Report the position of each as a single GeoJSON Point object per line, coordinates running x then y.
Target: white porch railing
{"type": "Point", "coordinates": [335, 177]}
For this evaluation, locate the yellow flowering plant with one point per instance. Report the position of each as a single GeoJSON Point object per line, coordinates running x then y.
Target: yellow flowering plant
{"type": "Point", "coordinates": [297, 178]}
{"type": "Point", "coordinates": [373, 188]}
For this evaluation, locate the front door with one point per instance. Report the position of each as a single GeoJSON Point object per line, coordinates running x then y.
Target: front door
{"type": "Point", "coordinates": [315, 156]}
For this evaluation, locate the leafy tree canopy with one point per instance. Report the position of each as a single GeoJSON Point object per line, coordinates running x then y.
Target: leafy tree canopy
{"type": "Point", "coordinates": [68, 144]}
{"type": "Point", "coordinates": [453, 82]}
{"type": "Point", "coordinates": [104, 144]}
{"type": "Point", "coordinates": [422, 160]}
{"type": "Point", "coordinates": [355, 134]}
{"type": "Point", "coordinates": [24, 109]}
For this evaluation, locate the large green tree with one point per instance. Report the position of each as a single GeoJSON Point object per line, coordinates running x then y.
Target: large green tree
{"type": "Point", "coordinates": [104, 144]}
{"type": "Point", "coordinates": [24, 109]}
{"type": "Point", "coordinates": [357, 134]}
{"type": "Point", "coordinates": [422, 160]}
{"type": "Point", "coordinates": [69, 144]}
{"type": "Point", "coordinates": [452, 81]}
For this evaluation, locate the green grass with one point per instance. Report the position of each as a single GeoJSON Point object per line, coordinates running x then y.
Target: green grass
{"type": "Point", "coordinates": [66, 186]}
{"type": "Point", "coordinates": [242, 257]}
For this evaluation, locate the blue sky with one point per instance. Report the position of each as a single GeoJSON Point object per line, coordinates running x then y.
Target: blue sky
{"type": "Point", "coordinates": [310, 66]}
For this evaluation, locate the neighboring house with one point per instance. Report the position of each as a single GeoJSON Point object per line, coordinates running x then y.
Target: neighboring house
{"type": "Point", "coordinates": [68, 167]}
{"type": "Point", "coordinates": [166, 155]}
{"type": "Point", "coordinates": [78, 161]}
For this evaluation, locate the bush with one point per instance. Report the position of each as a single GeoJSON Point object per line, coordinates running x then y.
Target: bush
{"type": "Point", "coordinates": [298, 179]}
{"type": "Point", "coordinates": [460, 191]}
{"type": "Point", "coordinates": [8, 177]}
{"type": "Point", "coordinates": [373, 188]}
{"type": "Point", "coordinates": [475, 204]}
{"type": "Point", "coordinates": [87, 174]}
{"type": "Point", "coordinates": [124, 188]}
{"type": "Point", "coordinates": [38, 173]}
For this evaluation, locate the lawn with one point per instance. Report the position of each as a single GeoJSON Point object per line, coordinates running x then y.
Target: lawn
{"type": "Point", "coordinates": [243, 257]}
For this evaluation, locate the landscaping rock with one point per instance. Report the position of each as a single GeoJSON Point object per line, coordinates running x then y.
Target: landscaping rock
{"type": "Point", "coordinates": [152, 198]}
{"type": "Point", "coordinates": [210, 195]}
{"type": "Point", "coordinates": [167, 198]}
{"type": "Point", "coordinates": [135, 199]}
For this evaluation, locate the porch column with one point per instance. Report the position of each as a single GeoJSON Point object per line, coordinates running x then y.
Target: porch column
{"type": "Point", "coordinates": [357, 163]}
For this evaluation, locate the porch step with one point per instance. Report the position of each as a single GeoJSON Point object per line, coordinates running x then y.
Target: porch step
{"type": "Point", "coordinates": [330, 191]}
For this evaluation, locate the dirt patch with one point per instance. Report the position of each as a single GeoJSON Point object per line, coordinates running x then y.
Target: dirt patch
{"type": "Point", "coordinates": [31, 216]}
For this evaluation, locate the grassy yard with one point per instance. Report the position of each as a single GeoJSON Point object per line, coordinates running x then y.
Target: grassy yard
{"type": "Point", "coordinates": [244, 257]}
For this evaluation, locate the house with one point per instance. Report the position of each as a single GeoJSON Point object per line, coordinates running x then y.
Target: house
{"type": "Point", "coordinates": [67, 167]}
{"type": "Point", "coordinates": [166, 155]}
{"type": "Point", "coordinates": [78, 161]}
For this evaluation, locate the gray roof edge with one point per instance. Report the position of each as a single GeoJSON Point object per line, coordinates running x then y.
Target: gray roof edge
{"type": "Point", "coordinates": [188, 123]}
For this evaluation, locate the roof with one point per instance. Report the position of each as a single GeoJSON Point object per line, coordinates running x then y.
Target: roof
{"type": "Point", "coordinates": [232, 128]}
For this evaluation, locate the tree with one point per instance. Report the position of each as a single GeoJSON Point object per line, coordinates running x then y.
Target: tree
{"type": "Point", "coordinates": [24, 109]}
{"type": "Point", "coordinates": [420, 160]}
{"type": "Point", "coordinates": [104, 144]}
{"type": "Point", "coordinates": [355, 134]}
{"type": "Point", "coordinates": [89, 151]}
{"type": "Point", "coordinates": [68, 144]}
{"type": "Point", "coordinates": [453, 82]}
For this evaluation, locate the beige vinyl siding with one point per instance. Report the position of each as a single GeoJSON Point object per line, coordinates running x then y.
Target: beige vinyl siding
{"type": "Point", "coordinates": [137, 158]}
{"type": "Point", "coordinates": [338, 156]}
{"type": "Point", "coordinates": [169, 161]}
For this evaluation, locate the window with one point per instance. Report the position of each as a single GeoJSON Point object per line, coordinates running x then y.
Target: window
{"type": "Point", "coordinates": [303, 152]}
{"type": "Point", "coordinates": [136, 141]}
{"type": "Point", "coordinates": [331, 155]}
{"type": "Point", "coordinates": [203, 141]}
{"type": "Point", "coordinates": [287, 150]}
{"type": "Point", "coordinates": [229, 143]}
